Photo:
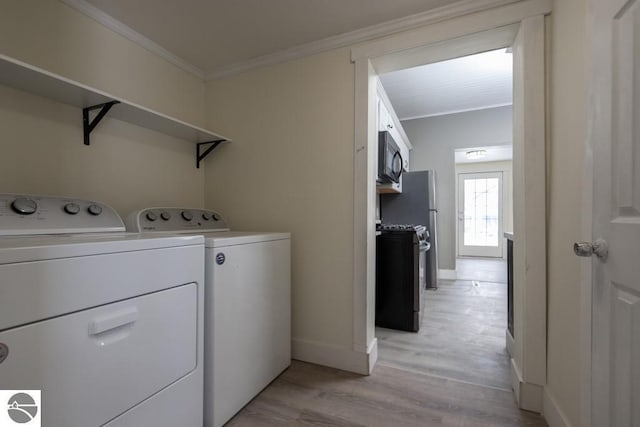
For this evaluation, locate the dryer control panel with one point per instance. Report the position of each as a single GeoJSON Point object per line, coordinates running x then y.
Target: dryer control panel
{"type": "Point", "coordinates": [175, 220]}
{"type": "Point", "coordinates": [23, 214]}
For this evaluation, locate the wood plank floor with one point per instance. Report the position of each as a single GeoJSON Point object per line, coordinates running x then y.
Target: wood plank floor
{"type": "Point", "coordinates": [462, 335]}
{"type": "Point", "coordinates": [307, 394]}
{"type": "Point", "coordinates": [454, 372]}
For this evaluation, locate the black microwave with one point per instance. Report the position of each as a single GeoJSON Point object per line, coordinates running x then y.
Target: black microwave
{"type": "Point", "coordinates": [389, 158]}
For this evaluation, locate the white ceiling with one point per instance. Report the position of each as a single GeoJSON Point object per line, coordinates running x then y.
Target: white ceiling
{"type": "Point", "coordinates": [469, 83]}
{"type": "Point", "coordinates": [215, 34]}
{"type": "Point", "coordinates": [493, 154]}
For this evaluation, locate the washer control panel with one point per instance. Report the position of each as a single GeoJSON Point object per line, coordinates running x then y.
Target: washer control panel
{"type": "Point", "coordinates": [23, 214]}
{"type": "Point", "coordinates": [175, 220]}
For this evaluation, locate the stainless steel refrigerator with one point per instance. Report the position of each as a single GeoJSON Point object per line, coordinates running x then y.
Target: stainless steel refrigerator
{"type": "Point", "coordinates": [416, 205]}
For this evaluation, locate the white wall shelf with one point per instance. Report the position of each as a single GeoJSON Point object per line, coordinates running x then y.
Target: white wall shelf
{"type": "Point", "coordinates": [35, 80]}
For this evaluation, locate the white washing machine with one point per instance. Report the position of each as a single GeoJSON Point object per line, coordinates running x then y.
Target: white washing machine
{"type": "Point", "coordinates": [247, 305]}
{"type": "Point", "coordinates": [107, 324]}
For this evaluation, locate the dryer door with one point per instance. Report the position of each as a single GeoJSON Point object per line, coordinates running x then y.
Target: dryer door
{"type": "Point", "coordinates": [95, 364]}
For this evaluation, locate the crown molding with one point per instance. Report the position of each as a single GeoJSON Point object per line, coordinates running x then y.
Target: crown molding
{"type": "Point", "coordinates": [458, 111]}
{"type": "Point", "coordinates": [459, 8]}
{"type": "Point", "coordinates": [118, 27]}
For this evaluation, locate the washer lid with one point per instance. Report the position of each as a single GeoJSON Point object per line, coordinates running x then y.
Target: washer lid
{"type": "Point", "coordinates": [231, 238]}
{"type": "Point", "coordinates": [45, 247]}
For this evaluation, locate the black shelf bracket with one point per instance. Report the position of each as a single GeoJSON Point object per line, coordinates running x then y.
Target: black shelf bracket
{"type": "Point", "coordinates": [89, 125]}
{"type": "Point", "coordinates": [201, 155]}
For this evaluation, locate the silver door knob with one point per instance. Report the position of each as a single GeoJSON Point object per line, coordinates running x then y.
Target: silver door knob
{"type": "Point", "coordinates": [599, 248]}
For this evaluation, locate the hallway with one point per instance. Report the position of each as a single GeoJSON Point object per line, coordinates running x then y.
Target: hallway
{"type": "Point", "coordinates": [462, 332]}
{"type": "Point", "coordinates": [454, 372]}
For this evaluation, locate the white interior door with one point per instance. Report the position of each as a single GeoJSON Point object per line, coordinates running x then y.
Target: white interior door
{"type": "Point", "coordinates": [480, 214]}
{"type": "Point", "coordinates": [614, 137]}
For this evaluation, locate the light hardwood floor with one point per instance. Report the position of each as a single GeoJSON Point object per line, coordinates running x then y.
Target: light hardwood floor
{"type": "Point", "coordinates": [454, 372]}
{"type": "Point", "coordinates": [307, 394]}
{"type": "Point", "coordinates": [462, 335]}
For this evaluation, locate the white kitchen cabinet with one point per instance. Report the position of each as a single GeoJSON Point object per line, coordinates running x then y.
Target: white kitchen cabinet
{"type": "Point", "coordinates": [388, 121]}
{"type": "Point", "coordinates": [391, 187]}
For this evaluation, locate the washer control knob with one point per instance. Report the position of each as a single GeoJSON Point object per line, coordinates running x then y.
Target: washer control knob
{"type": "Point", "coordinates": [72, 208]}
{"type": "Point", "coordinates": [151, 216]}
{"type": "Point", "coordinates": [24, 206]}
{"type": "Point", "coordinates": [95, 209]}
{"type": "Point", "coordinates": [166, 216]}
{"type": "Point", "coordinates": [216, 217]}
{"type": "Point", "coordinates": [206, 216]}
{"type": "Point", "coordinates": [187, 216]}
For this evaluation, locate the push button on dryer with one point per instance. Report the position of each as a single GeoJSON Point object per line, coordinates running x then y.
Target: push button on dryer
{"type": "Point", "coordinates": [94, 210]}
{"type": "Point", "coordinates": [24, 206]}
{"type": "Point", "coordinates": [72, 208]}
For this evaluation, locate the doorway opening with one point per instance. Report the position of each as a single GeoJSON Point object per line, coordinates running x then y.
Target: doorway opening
{"type": "Point", "coordinates": [524, 30]}
{"type": "Point", "coordinates": [484, 200]}
{"type": "Point", "coordinates": [440, 109]}
{"type": "Point", "coordinates": [480, 215]}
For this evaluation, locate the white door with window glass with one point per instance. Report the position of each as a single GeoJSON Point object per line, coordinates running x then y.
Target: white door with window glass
{"type": "Point", "coordinates": [614, 138]}
{"type": "Point", "coordinates": [480, 214]}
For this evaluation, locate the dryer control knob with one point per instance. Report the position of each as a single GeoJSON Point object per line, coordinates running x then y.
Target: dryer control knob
{"type": "Point", "coordinates": [24, 206]}
{"type": "Point", "coordinates": [72, 208]}
{"type": "Point", "coordinates": [216, 217]}
{"type": "Point", "coordinates": [95, 209]}
{"type": "Point", "coordinates": [166, 216]}
{"type": "Point", "coordinates": [206, 216]}
{"type": "Point", "coordinates": [187, 216]}
{"type": "Point", "coordinates": [151, 216]}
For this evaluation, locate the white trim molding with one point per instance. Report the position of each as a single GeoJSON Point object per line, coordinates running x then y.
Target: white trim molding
{"type": "Point", "coordinates": [510, 343]}
{"type": "Point", "coordinates": [459, 8]}
{"type": "Point", "coordinates": [477, 20]}
{"type": "Point", "coordinates": [528, 395]}
{"type": "Point", "coordinates": [462, 110]}
{"type": "Point", "coordinates": [383, 29]}
{"type": "Point", "coordinates": [130, 34]}
{"type": "Point", "coordinates": [335, 357]}
{"type": "Point", "coordinates": [367, 57]}
{"type": "Point", "coordinates": [551, 411]}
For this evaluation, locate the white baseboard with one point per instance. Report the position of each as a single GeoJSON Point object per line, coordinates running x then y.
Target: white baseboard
{"type": "Point", "coordinates": [447, 274]}
{"type": "Point", "coordinates": [336, 357]}
{"type": "Point", "coordinates": [510, 343]}
{"type": "Point", "coordinates": [528, 395]}
{"type": "Point", "coordinates": [551, 412]}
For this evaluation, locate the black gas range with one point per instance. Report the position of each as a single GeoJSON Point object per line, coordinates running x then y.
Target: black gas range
{"type": "Point", "coordinates": [420, 231]}
{"type": "Point", "coordinates": [400, 275]}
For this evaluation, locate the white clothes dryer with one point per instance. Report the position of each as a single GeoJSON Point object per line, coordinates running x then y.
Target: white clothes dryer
{"type": "Point", "coordinates": [107, 324]}
{"type": "Point", "coordinates": [247, 305]}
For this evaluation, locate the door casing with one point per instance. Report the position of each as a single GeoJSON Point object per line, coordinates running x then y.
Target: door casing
{"type": "Point", "coordinates": [448, 38]}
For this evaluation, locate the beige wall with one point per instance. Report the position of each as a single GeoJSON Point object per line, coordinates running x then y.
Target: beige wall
{"type": "Point", "coordinates": [56, 37]}
{"type": "Point", "coordinates": [126, 166]}
{"type": "Point", "coordinates": [290, 167]}
{"type": "Point", "coordinates": [565, 172]}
